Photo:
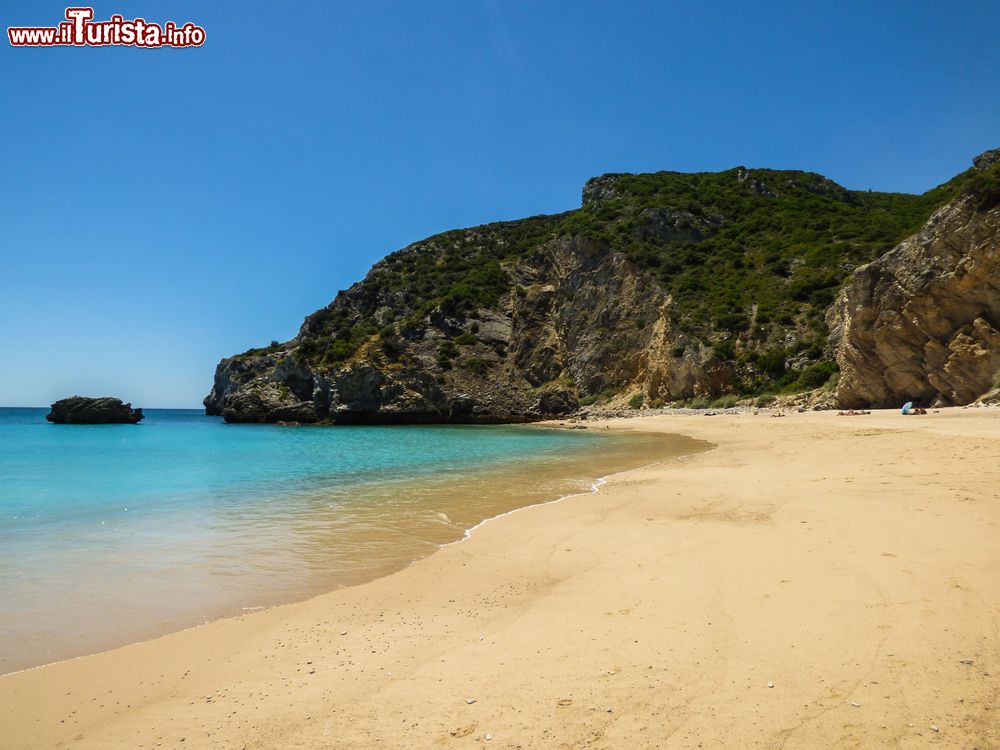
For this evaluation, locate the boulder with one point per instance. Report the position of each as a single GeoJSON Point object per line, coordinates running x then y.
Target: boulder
{"type": "Point", "coordinates": [83, 410]}
{"type": "Point", "coordinates": [557, 402]}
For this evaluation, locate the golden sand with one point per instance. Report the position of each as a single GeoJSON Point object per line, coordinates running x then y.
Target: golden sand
{"type": "Point", "coordinates": [814, 581]}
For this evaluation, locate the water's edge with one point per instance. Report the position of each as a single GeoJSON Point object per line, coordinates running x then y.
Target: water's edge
{"type": "Point", "coordinates": [692, 447]}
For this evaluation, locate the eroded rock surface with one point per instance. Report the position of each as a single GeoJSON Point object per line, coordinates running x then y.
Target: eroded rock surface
{"type": "Point", "coordinates": [577, 315]}
{"type": "Point", "coordinates": [84, 410]}
{"type": "Point", "coordinates": [923, 321]}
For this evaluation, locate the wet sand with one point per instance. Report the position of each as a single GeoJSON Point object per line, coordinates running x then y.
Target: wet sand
{"type": "Point", "coordinates": [154, 573]}
{"type": "Point", "coordinates": [813, 581]}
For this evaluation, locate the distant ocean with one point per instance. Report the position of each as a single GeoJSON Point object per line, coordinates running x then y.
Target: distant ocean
{"type": "Point", "coordinates": [115, 533]}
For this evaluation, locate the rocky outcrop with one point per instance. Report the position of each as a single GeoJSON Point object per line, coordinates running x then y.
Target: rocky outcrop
{"type": "Point", "coordinates": [922, 322]}
{"type": "Point", "coordinates": [83, 410]}
{"type": "Point", "coordinates": [986, 159]}
{"type": "Point", "coordinates": [578, 318]}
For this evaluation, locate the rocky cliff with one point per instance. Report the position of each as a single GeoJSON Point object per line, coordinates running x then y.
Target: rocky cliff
{"type": "Point", "coordinates": [922, 322]}
{"type": "Point", "coordinates": [661, 287]}
{"type": "Point", "coordinates": [578, 318]}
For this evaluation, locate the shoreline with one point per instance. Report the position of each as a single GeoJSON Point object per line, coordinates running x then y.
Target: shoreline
{"type": "Point", "coordinates": [392, 661]}
{"type": "Point", "coordinates": [248, 611]}
{"type": "Point", "coordinates": [501, 491]}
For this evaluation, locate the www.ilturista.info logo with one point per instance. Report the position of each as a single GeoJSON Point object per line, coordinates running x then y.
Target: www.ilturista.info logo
{"type": "Point", "coordinates": [80, 30]}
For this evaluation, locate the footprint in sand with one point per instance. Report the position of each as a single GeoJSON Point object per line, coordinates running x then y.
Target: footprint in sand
{"type": "Point", "coordinates": [463, 731]}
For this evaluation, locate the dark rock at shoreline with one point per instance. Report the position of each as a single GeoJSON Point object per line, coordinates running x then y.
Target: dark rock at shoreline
{"type": "Point", "coordinates": [84, 410]}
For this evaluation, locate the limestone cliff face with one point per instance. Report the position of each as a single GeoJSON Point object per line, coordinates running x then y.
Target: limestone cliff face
{"type": "Point", "coordinates": [661, 286]}
{"type": "Point", "coordinates": [923, 321]}
{"type": "Point", "coordinates": [577, 318]}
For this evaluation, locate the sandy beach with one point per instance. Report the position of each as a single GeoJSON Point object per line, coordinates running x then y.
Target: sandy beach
{"type": "Point", "coordinates": [813, 581]}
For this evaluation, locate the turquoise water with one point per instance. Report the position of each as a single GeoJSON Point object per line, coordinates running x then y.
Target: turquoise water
{"type": "Point", "coordinates": [112, 533]}
{"type": "Point", "coordinates": [180, 459]}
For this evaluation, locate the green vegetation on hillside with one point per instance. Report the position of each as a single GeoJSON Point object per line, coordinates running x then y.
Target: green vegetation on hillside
{"type": "Point", "coordinates": [752, 259]}
{"type": "Point", "coordinates": [777, 244]}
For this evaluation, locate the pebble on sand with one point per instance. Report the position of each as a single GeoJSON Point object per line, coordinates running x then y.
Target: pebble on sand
{"type": "Point", "coordinates": [470, 701]}
{"type": "Point", "coordinates": [770, 684]}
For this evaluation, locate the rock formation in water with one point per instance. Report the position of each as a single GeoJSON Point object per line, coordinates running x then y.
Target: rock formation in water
{"type": "Point", "coordinates": [922, 322]}
{"type": "Point", "coordinates": [84, 410]}
{"type": "Point", "coordinates": [661, 287]}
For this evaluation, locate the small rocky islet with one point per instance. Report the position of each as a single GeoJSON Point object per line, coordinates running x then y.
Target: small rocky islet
{"type": "Point", "coordinates": [87, 410]}
{"type": "Point", "coordinates": [664, 288]}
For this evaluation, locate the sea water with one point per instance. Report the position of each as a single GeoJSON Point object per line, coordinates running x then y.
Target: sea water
{"type": "Point", "coordinates": [115, 533]}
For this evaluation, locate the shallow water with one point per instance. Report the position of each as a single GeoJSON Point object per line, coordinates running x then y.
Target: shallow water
{"type": "Point", "coordinates": [115, 533]}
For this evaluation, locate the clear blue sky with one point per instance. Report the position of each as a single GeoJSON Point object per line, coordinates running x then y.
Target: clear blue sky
{"type": "Point", "coordinates": [164, 208]}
